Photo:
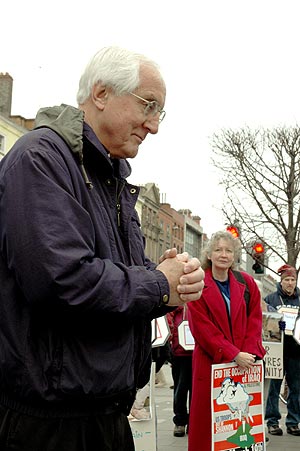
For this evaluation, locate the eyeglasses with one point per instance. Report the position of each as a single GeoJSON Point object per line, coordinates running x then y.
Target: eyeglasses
{"type": "Point", "coordinates": [152, 107]}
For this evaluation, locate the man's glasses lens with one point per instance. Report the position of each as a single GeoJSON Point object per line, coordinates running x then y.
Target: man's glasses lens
{"type": "Point", "coordinates": [151, 108]}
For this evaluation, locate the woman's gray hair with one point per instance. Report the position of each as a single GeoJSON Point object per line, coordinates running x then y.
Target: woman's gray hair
{"type": "Point", "coordinates": [215, 238]}
{"type": "Point", "coordinates": [114, 67]}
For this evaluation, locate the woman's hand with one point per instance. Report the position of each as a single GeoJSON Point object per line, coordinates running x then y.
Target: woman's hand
{"type": "Point", "coordinates": [245, 360]}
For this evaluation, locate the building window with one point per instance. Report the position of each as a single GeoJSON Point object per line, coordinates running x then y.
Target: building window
{"type": "Point", "coordinates": [193, 243]}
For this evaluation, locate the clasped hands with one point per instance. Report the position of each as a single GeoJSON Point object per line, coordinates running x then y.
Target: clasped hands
{"type": "Point", "coordinates": [184, 274]}
{"type": "Point", "coordinates": [245, 360]}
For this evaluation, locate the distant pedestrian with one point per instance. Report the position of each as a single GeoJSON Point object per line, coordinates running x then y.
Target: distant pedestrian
{"type": "Point", "coordinates": [181, 372]}
{"type": "Point", "coordinates": [286, 295]}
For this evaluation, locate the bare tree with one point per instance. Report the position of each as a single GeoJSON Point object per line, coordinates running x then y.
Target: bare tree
{"type": "Point", "coordinates": [260, 172]}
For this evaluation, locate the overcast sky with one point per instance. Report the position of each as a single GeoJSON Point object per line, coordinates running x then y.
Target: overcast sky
{"type": "Point", "coordinates": [226, 63]}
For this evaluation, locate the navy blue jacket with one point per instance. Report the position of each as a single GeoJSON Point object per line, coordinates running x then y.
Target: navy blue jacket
{"type": "Point", "coordinates": [291, 347]}
{"type": "Point", "coordinates": [77, 293]}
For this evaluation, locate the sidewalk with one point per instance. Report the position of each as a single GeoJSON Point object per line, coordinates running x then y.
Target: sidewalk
{"type": "Point", "coordinates": [167, 442]}
{"type": "Point", "coordinates": [164, 411]}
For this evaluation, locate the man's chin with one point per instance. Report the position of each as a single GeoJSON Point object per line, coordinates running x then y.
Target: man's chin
{"type": "Point", "coordinates": [125, 153]}
{"type": "Point", "coordinates": [132, 153]}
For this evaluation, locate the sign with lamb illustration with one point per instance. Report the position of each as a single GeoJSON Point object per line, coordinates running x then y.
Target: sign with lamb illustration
{"type": "Point", "coordinates": [237, 408]}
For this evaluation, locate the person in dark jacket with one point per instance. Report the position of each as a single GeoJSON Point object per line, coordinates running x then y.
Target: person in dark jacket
{"type": "Point", "coordinates": [77, 292]}
{"type": "Point", "coordinates": [181, 373]}
{"type": "Point", "coordinates": [286, 295]}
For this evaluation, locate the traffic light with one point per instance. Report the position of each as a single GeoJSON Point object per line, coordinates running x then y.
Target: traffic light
{"type": "Point", "coordinates": [258, 255]}
{"type": "Point", "coordinates": [234, 230]}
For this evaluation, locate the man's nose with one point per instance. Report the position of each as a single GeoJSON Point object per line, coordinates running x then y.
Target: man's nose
{"type": "Point", "coordinates": [152, 124]}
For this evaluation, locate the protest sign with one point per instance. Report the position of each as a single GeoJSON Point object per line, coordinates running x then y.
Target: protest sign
{"type": "Point", "coordinates": [289, 316]}
{"type": "Point", "coordinates": [296, 333]}
{"type": "Point", "coordinates": [273, 344]}
{"type": "Point", "coordinates": [185, 337]}
{"type": "Point", "coordinates": [160, 331]}
{"type": "Point", "coordinates": [237, 408]}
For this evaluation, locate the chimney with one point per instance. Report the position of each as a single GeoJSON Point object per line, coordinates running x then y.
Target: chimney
{"type": "Point", "coordinates": [6, 86]}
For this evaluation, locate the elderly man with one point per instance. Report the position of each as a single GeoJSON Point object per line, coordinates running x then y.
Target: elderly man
{"type": "Point", "coordinates": [77, 292]}
{"type": "Point", "coordinates": [287, 295]}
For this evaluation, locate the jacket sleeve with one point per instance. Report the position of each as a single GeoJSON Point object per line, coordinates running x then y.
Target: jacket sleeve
{"type": "Point", "coordinates": [48, 239]}
{"type": "Point", "coordinates": [273, 299]}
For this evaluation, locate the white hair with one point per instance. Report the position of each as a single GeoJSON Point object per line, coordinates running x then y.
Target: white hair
{"type": "Point", "coordinates": [114, 67]}
{"type": "Point", "coordinates": [215, 238]}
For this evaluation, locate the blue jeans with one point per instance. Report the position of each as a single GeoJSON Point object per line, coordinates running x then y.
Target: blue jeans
{"type": "Point", "coordinates": [182, 377]}
{"type": "Point", "coordinates": [292, 374]}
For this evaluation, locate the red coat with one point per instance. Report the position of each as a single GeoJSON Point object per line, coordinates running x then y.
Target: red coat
{"type": "Point", "coordinates": [214, 343]}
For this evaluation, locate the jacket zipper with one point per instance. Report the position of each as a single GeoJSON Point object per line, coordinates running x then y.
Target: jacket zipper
{"type": "Point", "coordinates": [118, 204]}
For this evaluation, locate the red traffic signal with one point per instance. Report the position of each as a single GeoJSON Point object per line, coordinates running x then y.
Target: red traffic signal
{"type": "Point", "coordinates": [258, 248]}
{"type": "Point", "coordinates": [258, 255]}
{"type": "Point", "coordinates": [233, 230]}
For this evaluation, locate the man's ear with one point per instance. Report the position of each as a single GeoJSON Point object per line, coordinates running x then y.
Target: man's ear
{"type": "Point", "coordinates": [99, 95]}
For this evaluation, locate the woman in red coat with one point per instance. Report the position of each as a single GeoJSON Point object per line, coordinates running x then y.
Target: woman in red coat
{"type": "Point", "coordinates": [225, 329]}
